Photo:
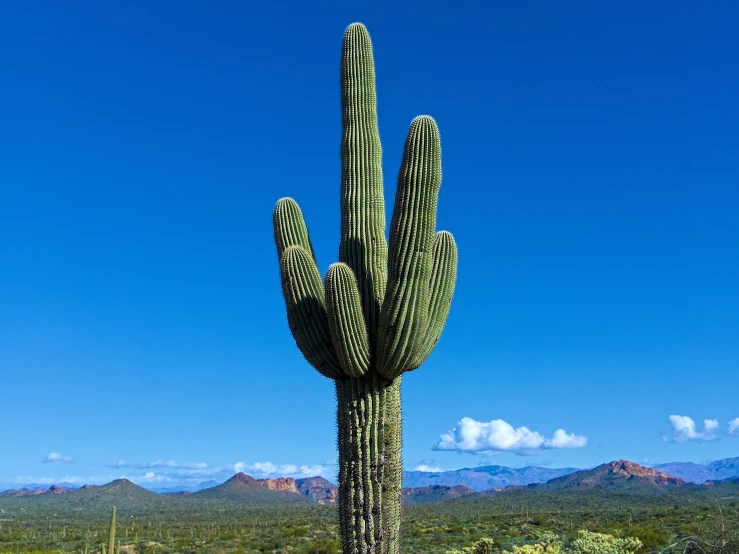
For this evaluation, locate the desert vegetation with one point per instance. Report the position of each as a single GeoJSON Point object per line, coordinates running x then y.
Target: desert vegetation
{"type": "Point", "coordinates": [635, 525]}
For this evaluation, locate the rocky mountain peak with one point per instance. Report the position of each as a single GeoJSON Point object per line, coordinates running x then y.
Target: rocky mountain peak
{"type": "Point", "coordinates": [243, 478]}
{"type": "Point", "coordinates": [632, 470]}
{"type": "Point", "coordinates": [279, 484]}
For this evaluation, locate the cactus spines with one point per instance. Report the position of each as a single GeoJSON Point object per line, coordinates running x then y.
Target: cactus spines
{"type": "Point", "coordinates": [404, 319]}
{"type": "Point", "coordinates": [306, 310]}
{"type": "Point", "coordinates": [363, 246]}
{"type": "Point", "coordinates": [441, 290]}
{"type": "Point", "coordinates": [380, 311]}
{"type": "Point", "coordinates": [348, 330]}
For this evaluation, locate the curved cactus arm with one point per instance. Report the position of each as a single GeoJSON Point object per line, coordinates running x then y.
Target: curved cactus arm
{"type": "Point", "coordinates": [289, 227]}
{"type": "Point", "coordinates": [306, 310]}
{"type": "Point", "coordinates": [363, 245]}
{"type": "Point", "coordinates": [441, 290]}
{"type": "Point", "coordinates": [345, 320]}
{"type": "Point", "coordinates": [405, 310]}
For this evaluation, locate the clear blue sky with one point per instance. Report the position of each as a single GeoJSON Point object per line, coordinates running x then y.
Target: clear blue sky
{"type": "Point", "coordinates": [591, 171]}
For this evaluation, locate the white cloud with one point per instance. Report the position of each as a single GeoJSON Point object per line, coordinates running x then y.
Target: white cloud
{"type": "Point", "coordinates": [427, 468]}
{"type": "Point", "coordinates": [267, 470]}
{"type": "Point", "coordinates": [734, 426]}
{"type": "Point", "coordinates": [158, 464]}
{"type": "Point", "coordinates": [497, 435]}
{"type": "Point", "coordinates": [562, 439]}
{"type": "Point", "coordinates": [56, 458]}
{"type": "Point", "coordinates": [149, 478]}
{"type": "Point", "coordinates": [171, 473]}
{"type": "Point", "coordinates": [684, 429]}
{"type": "Point", "coordinates": [72, 479]}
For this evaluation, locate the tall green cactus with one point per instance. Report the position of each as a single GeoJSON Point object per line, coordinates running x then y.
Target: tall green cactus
{"type": "Point", "coordinates": [381, 309]}
{"type": "Point", "coordinates": [111, 534]}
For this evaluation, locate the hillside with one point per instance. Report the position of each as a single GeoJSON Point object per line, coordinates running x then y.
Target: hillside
{"type": "Point", "coordinates": [699, 473]}
{"type": "Point", "coordinates": [122, 493]}
{"type": "Point", "coordinates": [244, 489]}
{"type": "Point", "coordinates": [434, 493]}
{"type": "Point", "coordinates": [621, 475]}
{"type": "Point", "coordinates": [53, 489]}
{"type": "Point", "coordinates": [318, 489]}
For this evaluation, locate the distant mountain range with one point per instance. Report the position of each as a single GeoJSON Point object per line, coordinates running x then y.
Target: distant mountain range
{"type": "Point", "coordinates": [420, 487]}
{"type": "Point", "coordinates": [484, 477]}
{"type": "Point", "coordinates": [490, 477]}
{"type": "Point", "coordinates": [700, 473]}
{"type": "Point", "coordinates": [620, 475]}
{"type": "Point", "coordinates": [192, 488]}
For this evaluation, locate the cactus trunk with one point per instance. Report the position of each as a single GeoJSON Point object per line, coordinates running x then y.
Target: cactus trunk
{"type": "Point", "coordinates": [111, 534]}
{"type": "Point", "coordinates": [370, 465]}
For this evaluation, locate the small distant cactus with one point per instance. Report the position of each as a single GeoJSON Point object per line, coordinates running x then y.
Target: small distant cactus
{"type": "Point", "coordinates": [111, 535]}
{"type": "Point", "coordinates": [382, 307]}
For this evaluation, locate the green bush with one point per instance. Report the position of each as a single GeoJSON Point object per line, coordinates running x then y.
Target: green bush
{"type": "Point", "coordinates": [324, 545]}
{"type": "Point", "coordinates": [600, 543]}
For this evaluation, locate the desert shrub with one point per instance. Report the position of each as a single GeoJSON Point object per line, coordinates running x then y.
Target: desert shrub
{"type": "Point", "coordinates": [549, 543]}
{"type": "Point", "coordinates": [721, 540]}
{"type": "Point", "coordinates": [650, 536]}
{"type": "Point", "coordinates": [600, 543]}
{"type": "Point", "coordinates": [323, 545]}
{"type": "Point", "coordinates": [537, 548]}
{"type": "Point", "coordinates": [483, 546]}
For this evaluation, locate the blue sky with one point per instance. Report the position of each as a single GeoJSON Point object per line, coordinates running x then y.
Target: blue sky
{"type": "Point", "coordinates": [590, 179]}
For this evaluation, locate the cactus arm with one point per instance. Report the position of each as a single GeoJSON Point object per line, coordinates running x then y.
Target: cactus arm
{"type": "Point", "coordinates": [345, 320]}
{"type": "Point", "coordinates": [363, 245]}
{"type": "Point", "coordinates": [441, 289]}
{"type": "Point", "coordinates": [405, 310]}
{"type": "Point", "coordinates": [306, 310]}
{"type": "Point", "coordinates": [289, 227]}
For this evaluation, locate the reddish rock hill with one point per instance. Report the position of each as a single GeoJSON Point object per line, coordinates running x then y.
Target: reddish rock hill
{"type": "Point", "coordinates": [244, 489]}
{"type": "Point", "coordinates": [280, 484]}
{"type": "Point", "coordinates": [23, 492]}
{"type": "Point", "coordinates": [53, 489]}
{"type": "Point", "coordinates": [318, 490]}
{"type": "Point", "coordinates": [621, 474]}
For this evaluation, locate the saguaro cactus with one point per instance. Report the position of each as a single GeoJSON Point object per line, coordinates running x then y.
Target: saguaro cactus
{"type": "Point", "coordinates": [111, 534]}
{"type": "Point", "coordinates": [381, 310]}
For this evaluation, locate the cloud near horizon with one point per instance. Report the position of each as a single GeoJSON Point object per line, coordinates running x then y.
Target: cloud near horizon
{"type": "Point", "coordinates": [159, 464]}
{"type": "Point", "coordinates": [266, 470]}
{"type": "Point", "coordinates": [685, 429]}
{"type": "Point", "coordinates": [56, 458]}
{"type": "Point", "coordinates": [427, 468]}
{"type": "Point", "coordinates": [499, 436]}
{"type": "Point", "coordinates": [175, 474]}
{"type": "Point", "coordinates": [734, 427]}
